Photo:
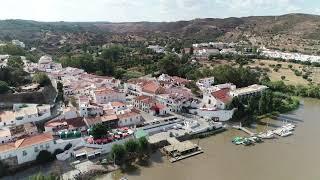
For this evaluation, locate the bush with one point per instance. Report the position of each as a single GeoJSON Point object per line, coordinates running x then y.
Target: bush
{"type": "Point", "coordinates": [42, 79]}
{"type": "Point", "coordinates": [118, 153]}
{"type": "Point", "coordinates": [44, 156]}
{"type": "Point", "coordinates": [4, 87]}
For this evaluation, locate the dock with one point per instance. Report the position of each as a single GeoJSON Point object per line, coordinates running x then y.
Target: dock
{"type": "Point", "coordinates": [244, 130]}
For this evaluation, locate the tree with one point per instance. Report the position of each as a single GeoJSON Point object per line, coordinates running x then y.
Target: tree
{"type": "Point", "coordinates": [4, 87]}
{"type": "Point", "coordinates": [118, 153]}
{"type": "Point", "coordinates": [60, 92]}
{"type": "Point", "coordinates": [143, 145]}
{"type": "Point", "coordinates": [132, 147]}
{"type": "Point", "coordinates": [44, 156]}
{"type": "Point", "coordinates": [98, 131]}
{"type": "Point", "coordinates": [41, 78]}
{"type": "Point", "coordinates": [169, 64]}
{"type": "Point", "coordinates": [15, 62]}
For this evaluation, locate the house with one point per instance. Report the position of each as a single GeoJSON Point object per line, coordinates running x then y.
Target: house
{"type": "Point", "coordinates": [45, 62]}
{"type": "Point", "coordinates": [106, 95]}
{"type": "Point", "coordinates": [18, 43]}
{"type": "Point", "coordinates": [158, 109]}
{"type": "Point", "coordinates": [156, 48]}
{"type": "Point", "coordinates": [128, 119]}
{"type": "Point", "coordinates": [217, 99]}
{"type": "Point", "coordinates": [248, 91]}
{"type": "Point", "coordinates": [91, 121]}
{"type": "Point", "coordinates": [26, 149]}
{"type": "Point", "coordinates": [13, 133]}
{"type": "Point", "coordinates": [24, 113]}
{"type": "Point", "coordinates": [134, 86]}
{"type": "Point", "coordinates": [205, 82]}
{"type": "Point", "coordinates": [86, 110]}
{"type": "Point", "coordinates": [5, 136]}
{"type": "Point", "coordinates": [63, 125]}
{"type": "Point", "coordinates": [152, 88]}
{"type": "Point", "coordinates": [143, 103]}
{"type": "Point", "coordinates": [110, 121]}
{"type": "Point", "coordinates": [172, 80]}
{"type": "Point", "coordinates": [118, 106]}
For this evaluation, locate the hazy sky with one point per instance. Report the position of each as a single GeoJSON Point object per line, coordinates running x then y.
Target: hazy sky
{"type": "Point", "coordinates": [148, 10]}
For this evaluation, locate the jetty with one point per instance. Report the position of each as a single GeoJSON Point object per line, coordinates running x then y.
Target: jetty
{"type": "Point", "coordinates": [239, 127]}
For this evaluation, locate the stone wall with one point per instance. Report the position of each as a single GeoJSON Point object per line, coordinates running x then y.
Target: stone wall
{"type": "Point", "coordinates": [45, 95]}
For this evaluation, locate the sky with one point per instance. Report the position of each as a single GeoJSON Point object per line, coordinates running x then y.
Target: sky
{"type": "Point", "coordinates": [149, 10]}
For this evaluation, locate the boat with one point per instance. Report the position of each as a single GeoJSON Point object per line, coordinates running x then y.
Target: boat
{"type": "Point", "coordinates": [256, 139]}
{"type": "Point", "coordinates": [266, 135]}
{"type": "Point", "coordinates": [237, 140]}
{"type": "Point", "coordinates": [286, 133]}
{"type": "Point", "coordinates": [247, 142]}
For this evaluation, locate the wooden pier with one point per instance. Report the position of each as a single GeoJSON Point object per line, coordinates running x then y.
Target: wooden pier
{"type": "Point", "coordinates": [244, 130]}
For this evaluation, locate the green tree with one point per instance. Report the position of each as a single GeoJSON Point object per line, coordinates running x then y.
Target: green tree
{"type": "Point", "coordinates": [143, 145]}
{"type": "Point", "coordinates": [41, 78]}
{"type": "Point", "coordinates": [15, 62]}
{"type": "Point", "coordinates": [44, 156]}
{"type": "Point", "coordinates": [98, 131]}
{"type": "Point", "coordinates": [112, 53]}
{"type": "Point", "coordinates": [132, 147]}
{"type": "Point", "coordinates": [4, 87]}
{"type": "Point", "coordinates": [12, 50]}
{"type": "Point", "coordinates": [118, 153]}
{"type": "Point", "coordinates": [169, 64]}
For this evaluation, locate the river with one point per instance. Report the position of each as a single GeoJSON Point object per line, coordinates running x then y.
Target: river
{"type": "Point", "coordinates": [292, 158]}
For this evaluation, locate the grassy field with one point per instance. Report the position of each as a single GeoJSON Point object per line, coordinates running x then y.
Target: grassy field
{"type": "Point", "coordinates": [284, 70]}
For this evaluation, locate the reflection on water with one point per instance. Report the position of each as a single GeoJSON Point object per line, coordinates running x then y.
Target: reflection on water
{"type": "Point", "coordinates": [295, 157]}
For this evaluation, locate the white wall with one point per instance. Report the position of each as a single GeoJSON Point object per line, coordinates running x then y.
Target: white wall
{"type": "Point", "coordinates": [223, 115]}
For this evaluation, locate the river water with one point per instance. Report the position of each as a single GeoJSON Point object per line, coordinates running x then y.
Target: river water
{"type": "Point", "coordinates": [292, 158]}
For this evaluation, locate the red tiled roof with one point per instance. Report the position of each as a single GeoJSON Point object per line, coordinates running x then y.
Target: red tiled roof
{"type": "Point", "coordinates": [104, 91]}
{"type": "Point", "coordinates": [109, 118]}
{"type": "Point", "coordinates": [222, 95]}
{"type": "Point", "coordinates": [117, 104]}
{"type": "Point", "coordinates": [70, 123]}
{"type": "Point", "coordinates": [153, 88]}
{"type": "Point", "coordinates": [29, 141]}
{"type": "Point", "coordinates": [93, 120]}
{"type": "Point", "coordinates": [127, 114]}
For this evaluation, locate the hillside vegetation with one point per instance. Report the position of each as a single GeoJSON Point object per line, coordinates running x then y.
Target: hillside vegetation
{"type": "Point", "coordinates": [292, 32]}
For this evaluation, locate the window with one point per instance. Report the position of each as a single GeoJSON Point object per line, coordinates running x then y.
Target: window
{"type": "Point", "coordinates": [36, 149]}
{"type": "Point", "coordinates": [41, 146]}
{"type": "Point", "coordinates": [47, 146]}
{"type": "Point", "coordinates": [24, 153]}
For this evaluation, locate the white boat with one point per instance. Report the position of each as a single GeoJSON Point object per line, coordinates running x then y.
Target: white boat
{"type": "Point", "coordinates": [266, 135]}
{"type": "Point", "coordinates": [286, 133]}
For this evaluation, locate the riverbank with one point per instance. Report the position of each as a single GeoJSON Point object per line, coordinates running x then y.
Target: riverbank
{"type": "Point", "coordinates": [286, 158]}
